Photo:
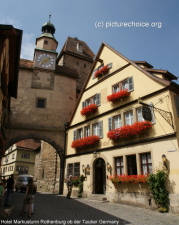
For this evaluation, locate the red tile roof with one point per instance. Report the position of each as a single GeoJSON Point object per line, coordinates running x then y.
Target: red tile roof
{"type": "Point", "coordinates": [71, 46]}
{"type": "Point", "coordinates": [29, 144]}
{"type": "Point", "coordinates": [26, 63]}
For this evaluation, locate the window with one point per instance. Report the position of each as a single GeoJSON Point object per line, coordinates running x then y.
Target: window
{"type": "Point", "coordinates": [129, 118]}
{"type": "Point", "coordinates": [125, 84]}
{"type": "Point", "coordinates": [131, 165]}
{"type": "Point", "coordinates": [73, 169]}
{"type": "Point", "coordinates": [139, 114]}
{"type": "Point", "coordinates": [117, 121]}
{"type": "Point", "coordinates": [40, 103]}
{"type": "Point", "coordinates": [46, 42]}
{"type": "Point", "coordinates": [26, 168]}
{"type": "Point", "coordinates": [78, 134]}
{"type": "Point", "coordinates": [146, 163]}
{"type": "Point", "coordinates": [116, 88]}
{"type": "Point", "coordinates": [13, 155]}
{"type": "Point", "coordinates": [87, 131]}
{"type": "Point", "coordinates": [93, 100]}
{"type": "Point", "coordinates": [119, 167]}
{"type": "Point", "coordinates": [97, 129]}
{"type": "Point", "coordinates": [114, 122]}
{"type": "Point", "coordinates": [25, 155]}
{"type": "Point", "coordinates": [6, 159]}
{"type": "Point", "coordinates": [19, 168]}
{"type": "Point", "coordinates": [109, 66]}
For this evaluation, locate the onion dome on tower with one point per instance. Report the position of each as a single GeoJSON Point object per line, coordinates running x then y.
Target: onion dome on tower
{"type": "Point", "coordinates": [48, 27]}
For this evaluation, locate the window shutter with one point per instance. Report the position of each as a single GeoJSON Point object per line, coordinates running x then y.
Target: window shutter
{"type": "Point", "coordinates": [74, 135]}
{"type": "Point", "coordinates": [109, 65]}
{"type": "Point", "coordinates": [109, 123]}
{"type": "Point", "coordinates": [152, 112]}
{"type": "Point", "coordinates": [130, 84]}
{"type": "Point", "coordinates": [176, 97]}
{"type": "Point", "coordinates": [98, 99]}
{"type": "Point", "coordinates": [83, 104]}
{"type": "Point", "coordinates": [101, 129]}
{"type": "Point", "coordinates": [93, 77]}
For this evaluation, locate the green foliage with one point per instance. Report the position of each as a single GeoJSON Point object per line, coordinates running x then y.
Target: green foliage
{"type": "Point", "coordinates": [160, 194]}
{"type": "Point", "coordinates": [78, 182]}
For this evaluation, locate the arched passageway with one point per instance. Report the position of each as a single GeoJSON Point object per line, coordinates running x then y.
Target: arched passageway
{"type": "Point", "coordinates": [54, 153]}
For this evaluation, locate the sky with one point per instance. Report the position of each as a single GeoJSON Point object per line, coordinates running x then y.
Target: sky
{"type": "Point", "coordinates": [141, 30]}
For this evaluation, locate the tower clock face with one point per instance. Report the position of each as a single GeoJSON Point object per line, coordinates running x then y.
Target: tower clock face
{"type": "Point", "coordinates": [45, 61]}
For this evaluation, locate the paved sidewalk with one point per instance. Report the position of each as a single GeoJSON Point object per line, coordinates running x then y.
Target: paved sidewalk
{"type": "Point", "coordinates": [134, 215]}
{"type": "Point", "coordinates": [57, 209]}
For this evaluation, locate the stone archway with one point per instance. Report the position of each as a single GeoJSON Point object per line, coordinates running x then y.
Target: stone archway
{"type": "Point", "coordinates": [52, 138]}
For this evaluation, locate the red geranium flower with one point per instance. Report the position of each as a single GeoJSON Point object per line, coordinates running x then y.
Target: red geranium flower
{"type": "Point", "coordinates": [129, 130]}
{"type": "Point", "coordinates": [101, 71]}
{"type": "Point", "coordinates": [118, 95]}
{"type": "Point", "coordinates": [89, 109]}
{"type": "Point", "coordinates": [85, 142]}
{"type": "Point", "coordinates": [124, 178]}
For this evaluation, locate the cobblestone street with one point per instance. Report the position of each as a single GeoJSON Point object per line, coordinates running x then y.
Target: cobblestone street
{"type": "Point", "coordinates": [56, 209]}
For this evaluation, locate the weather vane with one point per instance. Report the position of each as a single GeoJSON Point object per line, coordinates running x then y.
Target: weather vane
{"type": "Point", "coordinates": [49, 17]}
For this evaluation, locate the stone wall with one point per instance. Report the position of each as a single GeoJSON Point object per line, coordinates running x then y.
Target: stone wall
{"type": "Point", "coordinates": [48, 169]}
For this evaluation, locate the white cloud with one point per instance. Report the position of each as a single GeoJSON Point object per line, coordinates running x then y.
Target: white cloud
{"type": "Point", "coordinates": [28, 45]}
{"type": "Point", "coordinates": [10, 21]}
{"type": "Point", "coordinates": [28, 40]}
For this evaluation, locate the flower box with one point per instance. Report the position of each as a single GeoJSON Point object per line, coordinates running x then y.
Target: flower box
{"type": "Point", "coordinates": [118, 95]}
{"type": "Point", "coordinates": [134, 179]}
{"type": "Point", "coordinates": [89, 110]}
{"type": "Point", "coordinates": [101, 71]}
{"type": "Point", "coordinates": [129, 130]}
{"type": "Point", "coordinates": [85, 142]}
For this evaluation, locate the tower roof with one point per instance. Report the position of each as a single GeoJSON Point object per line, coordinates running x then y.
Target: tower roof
{"type": "Point", "coordinates": [48, 28]}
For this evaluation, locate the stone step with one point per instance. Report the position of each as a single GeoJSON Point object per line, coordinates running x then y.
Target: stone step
{"type": "Point", "coordinates": [101, 198]}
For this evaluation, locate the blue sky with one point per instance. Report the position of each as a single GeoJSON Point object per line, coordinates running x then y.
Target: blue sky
{"type": "Point", "coordinates": [158, 43]}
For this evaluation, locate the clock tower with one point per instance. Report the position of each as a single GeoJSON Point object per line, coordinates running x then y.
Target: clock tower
{"type": "Point", "coordinates": [45, 52]}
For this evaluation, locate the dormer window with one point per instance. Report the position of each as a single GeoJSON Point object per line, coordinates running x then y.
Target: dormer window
{"type": "Point", "coordinates": [79, 47]}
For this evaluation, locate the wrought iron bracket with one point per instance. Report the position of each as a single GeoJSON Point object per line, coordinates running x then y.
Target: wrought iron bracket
{"type": "Point", "coordinates": [166, 115]}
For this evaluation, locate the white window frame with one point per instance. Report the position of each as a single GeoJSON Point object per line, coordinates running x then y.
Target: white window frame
{"type": "Point", "coordinates": [129, 118]}
{"type": "Point", "coordinates": [95, 99]}
{"type": "Point", "coordinates": [124, 84]}
{"type": "Point", "coordinates": [73, 167]}
{"type": "Point", "coordinates": [146, 163]}
{"type": "Point", "coordinates": [87, 131]}
{"type": "Point", "coordinates": [25, 155]}
{"type": "Point", "coordinates": [139, 114]}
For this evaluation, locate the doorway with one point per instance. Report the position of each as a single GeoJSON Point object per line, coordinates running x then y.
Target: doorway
{"type": "Point", "coordinates": [99, 176]}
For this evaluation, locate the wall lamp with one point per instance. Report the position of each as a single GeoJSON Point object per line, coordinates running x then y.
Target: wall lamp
{"type": "Point", "coordinates": [164, 160]}
{"type": "Point", "coordinates": [86, 170]}
{"type": "Point", "coordinates": [109, 168]}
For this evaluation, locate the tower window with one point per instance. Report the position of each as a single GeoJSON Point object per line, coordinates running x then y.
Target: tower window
{"type": "Point", "coordinates": [41, 103]}
{"type": "Point", "coordinates": [46, 42]}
